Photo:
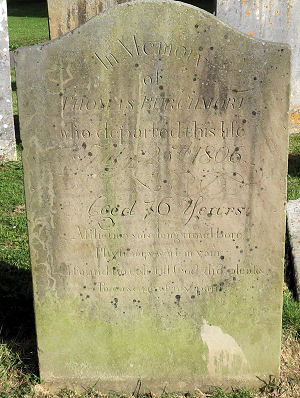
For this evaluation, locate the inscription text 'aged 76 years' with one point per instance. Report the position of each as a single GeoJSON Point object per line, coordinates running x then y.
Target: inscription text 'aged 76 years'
{"type": "Point", "coordinates": [155, 160]}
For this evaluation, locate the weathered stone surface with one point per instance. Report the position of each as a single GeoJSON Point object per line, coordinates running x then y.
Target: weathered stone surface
{"type": "Point", "coordinates": [293, 221]}
{"type": "Point", "coordinates": [155, 154]}
{"type": "Point", "coordinates": [66, 15]}
{"type": "Point", "coordinates": [274, 20]}
{"type": "Point", "coordinates": [7, 132]}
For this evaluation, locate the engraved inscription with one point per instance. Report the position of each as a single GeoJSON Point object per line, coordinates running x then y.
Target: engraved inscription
{"type": "Point", "coordinates": [185, 102]}
{"type": "Point", "coordinates": [202, 129]}
{"type": "Point", "coordinates": [192, 130]}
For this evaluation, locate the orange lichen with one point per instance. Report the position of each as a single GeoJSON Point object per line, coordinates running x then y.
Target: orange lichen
{"type": "Point", "coordinates": [295, 117]}
{"type": "Point", "coordinates": [248, 12]}
{"type": "Point", "coordinates": [267, 6]}
{"type": "Point", "coordinates": [250, 33]}
{"type": "Point", "coordinates": [277, 12]}
{"type": "Point", "coordinates": [288, 12]}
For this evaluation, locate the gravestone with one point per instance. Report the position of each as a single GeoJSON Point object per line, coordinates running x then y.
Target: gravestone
{"type": "Point", "coordinates": [7, 132]}
{"type": "Point", "coordinates": [66, 15]}
{"type": "Point", "coordinates": [155, 161]}
{"type": "Point", "coordinates": [274, 20]}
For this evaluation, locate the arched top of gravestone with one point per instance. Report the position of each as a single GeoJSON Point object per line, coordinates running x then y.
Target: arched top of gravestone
{"type": "Point", "coordinates": [173, 33]}
{"type": "Point", "coordinates": [118, 49]}
{"type": "Point", "coordinates": [157, 13]}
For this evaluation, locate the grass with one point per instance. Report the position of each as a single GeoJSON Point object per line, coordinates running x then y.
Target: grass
{"type": "Point", "coordinates": [291, 315]}
{"type": "Point", "coordinates": [242, 393]}
{"type": "Point", "coordinates": [13, 228]}
{"type": "Point", "coordinates": [27, 23]}
{"type": "Point", "coordinates": [18, 362]}
{"type": "Point", "coordinates": [16, 378]}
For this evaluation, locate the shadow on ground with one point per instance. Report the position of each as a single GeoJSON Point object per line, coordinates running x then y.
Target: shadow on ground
{"type": "Point", "coordinates": [17, 129]}
{"type": "Point", "coordinates": [293, 171]}
{"type": "Point", "coordinates": [207, 5]}
{"type": "Point", "coordinates": [27, 8]}
{"type": "Point", "coordinates": [16, 304]}
{"type": "Point", "coordinates": [289, 274]}
{"type": "Point", "coordinates": [17, 327]}
{"type": "Point", "coordinates": [294, 165]}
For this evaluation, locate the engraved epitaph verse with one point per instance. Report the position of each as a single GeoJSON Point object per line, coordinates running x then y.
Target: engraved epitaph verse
{"type": "Point", "coordinates": [151, 195]}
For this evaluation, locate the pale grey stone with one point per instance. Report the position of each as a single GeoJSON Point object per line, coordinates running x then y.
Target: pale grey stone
{"type": "Point", "coordinates": [274, 20]}
{"type": "Point", "coordinates": [7, 132]}
{"type": "Point", "coordinates": [155, 159]}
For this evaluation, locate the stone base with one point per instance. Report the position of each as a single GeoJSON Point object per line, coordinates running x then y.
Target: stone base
{"type": "Point", "coordinates": [141, 386]}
